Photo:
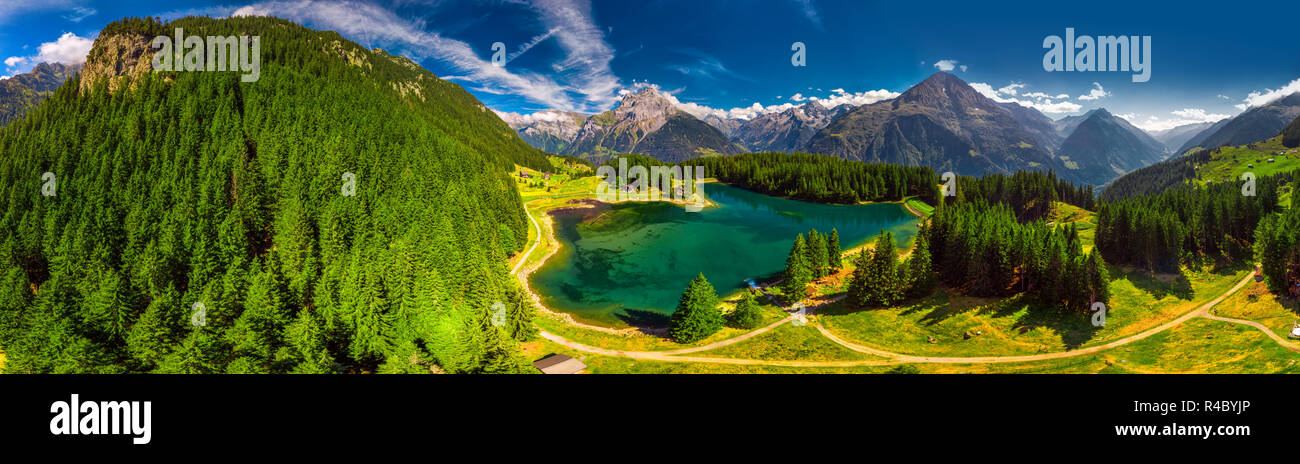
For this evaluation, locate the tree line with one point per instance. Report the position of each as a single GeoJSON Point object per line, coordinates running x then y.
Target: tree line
{"type": "Point", "coordinates": [1179, 225]}
{"type": "Point", "coordinates": [821, 178]}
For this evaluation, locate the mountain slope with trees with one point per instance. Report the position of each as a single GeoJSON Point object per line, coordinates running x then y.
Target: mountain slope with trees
{"type": "Point", "coordinates": [348, 212]}
{"type": "Point", "coordinates": [22, 92]}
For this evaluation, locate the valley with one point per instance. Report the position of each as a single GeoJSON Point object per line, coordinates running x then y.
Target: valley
{"type": "Point", "coordinates": [1156, 322]}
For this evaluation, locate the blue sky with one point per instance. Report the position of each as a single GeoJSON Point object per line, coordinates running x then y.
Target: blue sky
{"type": "Point", "coordinates": [732, 58]}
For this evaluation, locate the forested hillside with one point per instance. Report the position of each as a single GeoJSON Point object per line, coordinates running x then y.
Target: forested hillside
{"type": "Point", "coordinates": [185, 190]}
{"type": "Point", "coordinates": [1161, 231]}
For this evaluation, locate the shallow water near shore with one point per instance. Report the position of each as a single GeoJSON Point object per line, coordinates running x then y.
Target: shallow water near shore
{"type": "Point", "coordinates": [628, 264]}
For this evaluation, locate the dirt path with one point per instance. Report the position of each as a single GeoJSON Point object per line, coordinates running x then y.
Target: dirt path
{"type": "Point", "coordinates": [1277, 338]}
{"type": "Point", "coordinates": [891, 358]}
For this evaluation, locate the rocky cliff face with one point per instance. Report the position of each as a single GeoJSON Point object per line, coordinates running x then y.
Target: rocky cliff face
{"type": "Point", "coordinates": [118, 59]}
{"type": "Point", "coordinates": [551, 130]}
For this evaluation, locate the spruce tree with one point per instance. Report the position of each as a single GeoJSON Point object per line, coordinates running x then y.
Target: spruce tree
{"type": "Point", "coordinates": [797, 272]}
{"type": "Point", "coordinates": [697, 315]}
{"type": "Point", "coordinates": [747, 316]}
{"type": "Point", "coordinates": [817, 261]}
{"type": "Point", "coordinates": [920, 269]}
{"type": "Point", "coordinates": [833, 252]}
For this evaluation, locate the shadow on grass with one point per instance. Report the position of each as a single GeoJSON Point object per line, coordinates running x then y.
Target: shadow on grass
{"type": "Point", "coordinates": [647, 322]}
{"type": "Point", "coordinates": [1074, 328]}
{"type": "Point", "coordinates": [1158, 285]}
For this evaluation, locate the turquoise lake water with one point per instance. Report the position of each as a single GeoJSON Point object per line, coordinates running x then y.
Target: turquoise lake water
{"type": "Point", "coordinates": [629, 264]}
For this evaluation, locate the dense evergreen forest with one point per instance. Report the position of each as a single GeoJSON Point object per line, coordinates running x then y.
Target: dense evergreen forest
{"type": "Point", "coordinates": [821, 178]}
{"type": "Point", "coordinates": [188, 189]}
{"type": "Point", "coordinates": [1028, 193]}
{"type": "Point", "coordinates": [1181, 224]}
{"type": "Point", "coordinates": [1277, 247]}
{"type": "Point", "coordinates": [985, 250]}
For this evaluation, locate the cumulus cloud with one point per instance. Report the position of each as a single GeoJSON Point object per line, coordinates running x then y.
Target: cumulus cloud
{"type": "Point", "coordinates": [798, 97]}
{"type": "Point", "coordinates": [68, 49]}
{"type": "Point", "coordinates": [1036, 100]}
{"type": "Point", "coordinates": [1097, 92]}
{"type": "Point", "coordinates": [946, 65]}
{"type": "Point", "coordinates": [1266, 96]}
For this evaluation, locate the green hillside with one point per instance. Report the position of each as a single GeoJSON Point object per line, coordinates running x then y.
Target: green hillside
{"type": "Point", "coordinates": [185, 188]}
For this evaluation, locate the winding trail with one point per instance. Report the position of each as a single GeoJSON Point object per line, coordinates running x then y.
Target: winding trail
{"type": "Point", "coordinates": [1277, 338]}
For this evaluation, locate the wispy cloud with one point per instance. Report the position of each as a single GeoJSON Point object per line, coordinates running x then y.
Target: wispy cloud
{"type": "Point", "coordinates": [370, 23]}
{"type": "Point", "coordinates": [707, 66]}
{"type": "Point", "coordinates": [810, 12]}
{"type": "Point", "coordinates": [79, 13]}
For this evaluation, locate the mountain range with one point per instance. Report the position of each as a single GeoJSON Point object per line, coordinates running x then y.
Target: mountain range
{"type": "Point", "coordinates": [789, 130]}
{"type": "Point", "coordinates": [941, 122]}
{"type": "Point", "coordinates": [20, 93]}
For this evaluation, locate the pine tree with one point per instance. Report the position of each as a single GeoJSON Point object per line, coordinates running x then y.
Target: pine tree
{"type": "Point", "coordinates": [797, 272]}
{"type": "Point", "coordinates": [697, 315]}
{"type": "Point", "coordinates": [817, 261]}
{"type": "Point", "coordinates": [833, 252]}
{"type": "Point", "coordinates": [920, 270]}
{"type": "Point", "coordinates": [747, 315]}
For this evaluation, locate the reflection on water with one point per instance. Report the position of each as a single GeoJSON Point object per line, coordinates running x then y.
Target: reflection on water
{"type": "Point", "coordinates": [631, 262]}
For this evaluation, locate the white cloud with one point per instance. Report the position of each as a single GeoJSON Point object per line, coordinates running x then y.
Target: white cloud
{"type": "Point", "coordinates": [1181, 117]}
{"type": "Point", "coordinates": [946, 65]}
{"type": "Point", "coordinates": [1011, 89]}
{"type": "Point", "coordinates": [798, 97]}
{"type": "Point", "coordinates": [1097, 92]}
{"type": "Point", "coordinates": [1036, 100]}
{"type": "Point", "coordinates": [1225, 97]}
{"type": "Point", "coordinates": [14, 61]}
{"type": "Point", "coordinates": [1260, 98]}
{"type": "Point", "coordinates": [963, 68]}
{"type": "Point", "coordinates": [68, 49]}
